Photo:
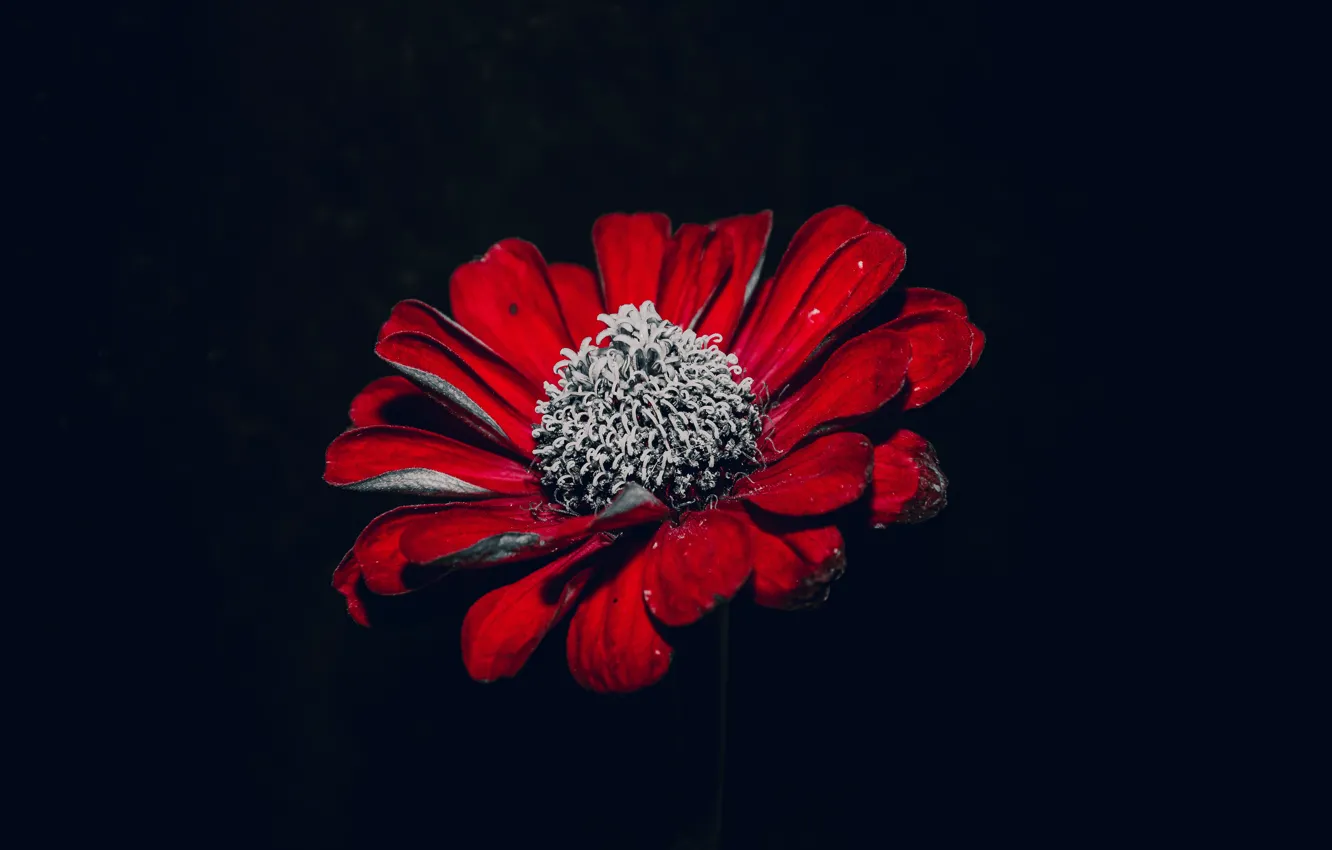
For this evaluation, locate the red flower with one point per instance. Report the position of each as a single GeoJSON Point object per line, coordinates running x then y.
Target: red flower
{"type": "Point", "coordinates": [695, 438]}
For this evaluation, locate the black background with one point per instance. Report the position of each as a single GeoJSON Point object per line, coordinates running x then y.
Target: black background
{"type": "Point", "coordinates": [254, 185]}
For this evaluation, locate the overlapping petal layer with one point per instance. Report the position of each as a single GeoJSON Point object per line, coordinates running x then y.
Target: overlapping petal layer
{"type": "Point", "coordinates": [795, 561]}
{"type": "Point", "coordinates": [748, 235]}
{"type": "Point", "coordinates": [432, 366]}
{"type": "Point", "coordinates": [479, 534]}
{"type": "Point", "coordinates": [579, 294]}
{"type": "Point", "coordinates": [613, 645]}
{"type": "Point", "coordinates": [630, 251]}
{"type": "Point", "coordinates": [943, 346]}
{"type": "Point", "coordinates": [857, 379]}
{"type": "Point", "coordinates": [691, 567]}
{"type": "Point", "coordinates": [490, 368]}
{"type": "Point", "coordinates": [506, 299]}
{"type": "Point", "coordinates": [697, 260]}
{"type": "Point", "coordinates": [908, 484]}
{"type": "Point", "coordinates": [347, 581]}
{"type": "Point", "coordinates": [776, 301]}
{"type": "Point", "coordinates": [504, 627]}
{"type": "Point", "coordinates": [824, 475]}
{"type": "Point", "coordinates": [375, 405]}
{"type": "Point", "coordinates": [378, 552]}
{"type": "Point", "coordinates": [854, 277]}
{"type": "Point", "coordinates": [918, 299]}
{"type": "Point", "coordinates": [395, 458]}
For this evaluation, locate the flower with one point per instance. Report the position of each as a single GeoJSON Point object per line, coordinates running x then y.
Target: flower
{"type": "Point", "coordinates": [695, 438]}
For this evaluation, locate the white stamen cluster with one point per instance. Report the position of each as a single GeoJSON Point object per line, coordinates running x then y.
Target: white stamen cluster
{"type": "Point", "coordinates": [660, 405]}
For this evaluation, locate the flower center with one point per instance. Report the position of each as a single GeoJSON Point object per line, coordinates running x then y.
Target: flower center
{"type": "Point", "coordinates": [660, 406]}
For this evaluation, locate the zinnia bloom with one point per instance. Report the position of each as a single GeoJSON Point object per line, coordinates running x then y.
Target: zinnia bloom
{"type": "Point", "coordinates": [695, 438]}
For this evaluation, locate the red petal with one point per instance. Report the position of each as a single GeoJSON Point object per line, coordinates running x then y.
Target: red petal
{"type": "Point", "coordinates": [858, 379]}
{"type": "Point", "coordinates": [394, 400]}
{"type": "Point", "coordinates": [688, 569]}
{"type": "Point", "coordinates": [494, 371]}
{"type": "Point", "coordinates": [920, 300]}
{"type": "Point", "coordinates": [908, 485]}
{"type": "Point", "coordinates": [977, 345]}
{"type": "Point", "coordinates": [580, 300]}
{"type": "Point", "coordinates": [614, 647]}
{"type": "Point", "coordinates": [377, 549]}
{"type": "Point", "coordinates": [794, 561]}
{"type": "Point", "coordinates": [507, 300]}
{"type": "Point", "coordinates": [347, 581]}
{"type": "Point", "coordinates": [828, 473]}
{"type": "Point", "coordinates": [941, 350]}
{"type": "Point", "coordinates": [856, 275]}
{"type": "Point", "coordinates": [697, 260]}
{"type": "Point", "coordinates": [398, 459]}
{"type": "Point", "coordinates": [433, 366]}
{"type": "Point", "coordinates": [630, 250]}
{"type": "Point", "coordinates": [777, 300]}
{"type": "Point", "coordinates": [485, 533]}
{"type": "Point", "coordinates": [503, 628]}
{"type": "Point", "coordinates": [748, 235]}
{"type": "Point", "coordinates": [373, 405]}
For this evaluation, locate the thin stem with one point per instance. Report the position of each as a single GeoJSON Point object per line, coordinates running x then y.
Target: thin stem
{"type": "Point", "coordinates": [723, 665]}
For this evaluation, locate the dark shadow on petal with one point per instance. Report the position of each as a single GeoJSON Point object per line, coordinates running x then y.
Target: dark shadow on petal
{"type": "Point", "coordinates": [421, 411]}
{"type": "Point", "coordinates": [610, 560]}
{"type": "Point", "coordinates": [602, 562]}
{"type": "Point", "coordinates": [452, 594]}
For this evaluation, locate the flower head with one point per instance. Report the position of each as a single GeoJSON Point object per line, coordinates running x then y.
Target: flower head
{"type": "Point", "coordinates": [696, 438]}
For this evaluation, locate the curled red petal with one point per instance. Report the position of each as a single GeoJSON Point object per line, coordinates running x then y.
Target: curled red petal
{"type": "Point", "coordinates": [690, 568]}
{"type": "Point", "coordinates": [347, 581]}
{"type": "Point", "coordinates": [795, 561]}
{"type": "Point", "coordinates": [630, 249]}
{"type": "Point", "coordinates": [777, 299]}
{"type": "Point", "coordinates": [908, 484]}
{"type": "Point", "coordinates": [378, 550]}
{"type": "Point", "coordinates": [506, 299]}
{"type": "Point", "coordinates": [374, 404]}
{"type": "Point", "coordinates": [579, 295]}
{"type": "Point", "coordinates": [394, 400]}
{"type": "Point", "coordinates": [519, 391]}
{"type": "Point", "coordinates": [394, 458]}
{"type": "Point", "coordinates": [824, 475]}
{"type": "Point", "coordinates": [748, 235]}
{"type": "Point", "coordinates": [613, 645]}
{"type": "Point", "coordinates": [855, 276]}
{"type": "Point", "coordinates": [432, 366]}
{"type": "Point", "coordinates": [504, 627]}
{"type": "Point", "coordinates": [484, 533]}
{"type": "Point", "coordinates": [857, 379]}
{"type": "Point", "coordinates": [943, 346]}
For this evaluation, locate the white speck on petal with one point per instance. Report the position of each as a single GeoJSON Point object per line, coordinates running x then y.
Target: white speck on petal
{"type": "Point", "coordinates": [860, 264]}
{"type": "Point", "coordinates": [814, 312]}
{"type": "Point", "coordinates": [655, 545]}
